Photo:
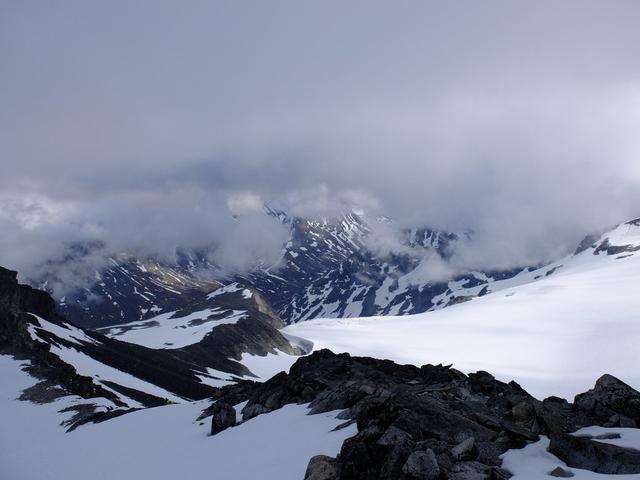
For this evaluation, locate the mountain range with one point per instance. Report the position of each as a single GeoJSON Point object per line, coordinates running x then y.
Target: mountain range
{"type": "Point", "coordinates": [211, 357]}
{"type": "Point", "coordinates": [328, 269]}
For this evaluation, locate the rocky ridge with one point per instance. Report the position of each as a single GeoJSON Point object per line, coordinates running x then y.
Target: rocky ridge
{"type": "Point", "coordinates": [32, 330]}
{"type": "Point", "coordinates": [434, 422]}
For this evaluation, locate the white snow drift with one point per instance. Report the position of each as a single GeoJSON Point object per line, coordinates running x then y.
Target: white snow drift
{"type": "Point", "coordinates": [162, 443]}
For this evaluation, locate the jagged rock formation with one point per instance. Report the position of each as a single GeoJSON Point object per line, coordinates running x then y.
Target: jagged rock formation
{"type": "Point", "coordinates": [15, 301]}
{"type": "Point", "coordinates": [125, 289]}
{"type": "Point", "coordinates": [31, 329]}
{"type": "Point", "coordinates": [589, 454]}
{"type": "Point", "coordinates": [236, 320]}
{"type": "Point", "coordinates": [434, 421]}
{"type": "Point", "coordinates": [333, 269]}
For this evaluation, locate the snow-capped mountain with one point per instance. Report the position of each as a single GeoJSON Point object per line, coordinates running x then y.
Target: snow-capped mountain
{"type": "Point", "coordinates": [329, 268]}
{"type": "Point", "coordinates": [334, 270]}
{"type": "Point", "coordinates": [123, 289]}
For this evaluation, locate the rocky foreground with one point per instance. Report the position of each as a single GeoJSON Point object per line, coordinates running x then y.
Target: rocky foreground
{"type": "Point", "coordinates": [434, 422]}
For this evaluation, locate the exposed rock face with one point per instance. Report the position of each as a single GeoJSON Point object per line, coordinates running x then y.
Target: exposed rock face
{"type": "Point", "coordinates": [413, 422]}
{"type": "Point", "coordinates": [15, 301]}
{"type": "Point", "coordinates": [612, 402]}
{"type": "Point", "coordinates": [322, 467]}
{"type": "Point", "coordinates": [589, 454]}
{"type": "Point", "coordinates": [607, 248]}
{"type": "Point", "coordinates": [224, 416]}
{"type": "Point", "coordinates": [560, 472]}
{"type": "Point", "coordinates": [432, 421]}
{"type": "Point", "coordinates": [256, 334]}
{"type": "Point", "coordinates": [422, 464]}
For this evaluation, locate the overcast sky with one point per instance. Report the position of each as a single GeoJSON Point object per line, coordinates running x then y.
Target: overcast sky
{"type": "Point", "coordinates": [145, 124]}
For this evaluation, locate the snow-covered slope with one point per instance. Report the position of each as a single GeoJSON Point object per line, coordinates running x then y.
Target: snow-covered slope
{"type": "Point", "coordinates": [553, 334]}
{"type": "Point", "coordinates": [73, 352]}
{"type": "Point", "coordinates": [231, 331]}
{"type": "Point", "coordinates": [180, 328]}
{"type": "Point", "coordinates": [170, 331]}
{"type": "Point", "coordinates": [162, 443]}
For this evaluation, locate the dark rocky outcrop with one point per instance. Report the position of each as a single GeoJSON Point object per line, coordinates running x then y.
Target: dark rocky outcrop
{"type": "Point", "coordinates": [560, 472]}
{"type": "Point", "coordinates": [422, 464]}
{"type": "Point", "coordinates": [612, 402]}
{"type": "Point", "coordinates": [607, 248]}
{"type": "Point", "coordinates": [589, 454]}
{"type": "Point", "coordinates": [431, 421]}
{"type": "Point", "coordinates": [256, 332]}
{"type": "Point", "coordinates": [15, 301]}
{"type": "Point", "coordinates": [322, 467]}
{"type": "Point", "coordinates": [586, 243]}
{"type": "Point", "coordinates": [223, 417]}
{"type": "Point", "coordinates": [18, 305]}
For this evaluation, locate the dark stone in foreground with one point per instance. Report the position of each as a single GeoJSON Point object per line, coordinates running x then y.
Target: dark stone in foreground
{"type": "Point", "coordinates": [224, 416]}
{"type": "Point", "coordinates": [422, 464]}
{"type": "Point", "coordinates": [560, 472]}
{"type": "Point", "coordinates": [322, 467]}
{"type": "Point", "coordinates": [612, 402]}
{"type": "Point", "coordinates": [434, 422]}
{"type": "Point", "coordinates": [588, 454]}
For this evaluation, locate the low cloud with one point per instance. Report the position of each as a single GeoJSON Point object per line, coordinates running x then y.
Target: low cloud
{"type": "Point", "coordinates": [151, 127]}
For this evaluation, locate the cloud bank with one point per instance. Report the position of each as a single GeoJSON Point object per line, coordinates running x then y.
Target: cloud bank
{"type": "Point", "coordinates": [157, 124]}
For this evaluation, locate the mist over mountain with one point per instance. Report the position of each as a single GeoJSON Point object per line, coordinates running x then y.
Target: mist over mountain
{"type": "Point", "coordinates": [426, 115]}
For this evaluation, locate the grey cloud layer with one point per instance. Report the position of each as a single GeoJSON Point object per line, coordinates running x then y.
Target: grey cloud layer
{"type": "Point", "coordinates": [146, 124]}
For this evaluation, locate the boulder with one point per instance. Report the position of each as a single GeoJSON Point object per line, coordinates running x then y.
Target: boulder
{"type": "Point", "coordinates": [224, 416]}
{"type": "Point", "coordinates": [560, 472]}
{"type": "Point", "coordinates": [464, 450]}
{"type": "Point", "coordinates": [610, 402]}
{"type": "Point", "coordinates": [588, 454]}
{"type": "Point", "coordinates": [395, 436]}
{"type": "Point", "coordinates": [470, 471]}
{"type": "Point", "coordinates": [322, 467]}
{"type": "Point", "coordinates": [422, 464]}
